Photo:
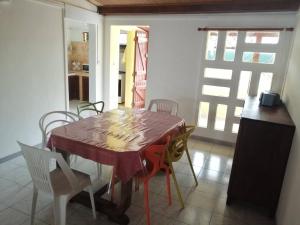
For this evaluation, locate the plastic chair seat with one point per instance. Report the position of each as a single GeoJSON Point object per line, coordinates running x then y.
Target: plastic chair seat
{"type": "Point", "coordinates": [60, 183]}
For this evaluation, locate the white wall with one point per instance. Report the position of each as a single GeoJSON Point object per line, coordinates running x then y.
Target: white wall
{"type": "Point", "coordinates": [175, 51]}
{"type": "Point", "coordinates": [288, 210]}
{"type": "Point", "coordinates": [31, 68]}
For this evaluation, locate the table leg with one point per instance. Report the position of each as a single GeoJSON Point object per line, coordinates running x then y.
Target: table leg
{"type": "Point", "coordinates": [115, 213]}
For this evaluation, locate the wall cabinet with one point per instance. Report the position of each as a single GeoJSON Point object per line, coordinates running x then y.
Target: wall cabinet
{"type": "Point", "coordinates": [261, 154]}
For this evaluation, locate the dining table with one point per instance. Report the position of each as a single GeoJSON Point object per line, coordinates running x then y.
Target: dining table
{"type": "Point", "coordinates": [117, 138]}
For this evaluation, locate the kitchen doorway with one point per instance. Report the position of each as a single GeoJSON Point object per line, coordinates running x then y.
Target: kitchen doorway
{"type": "Point", "coordinates": [128, 66]}
{"type": "Point", "coordinates": [77, 41]}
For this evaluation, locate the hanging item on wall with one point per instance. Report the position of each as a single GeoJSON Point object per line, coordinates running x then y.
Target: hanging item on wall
{"type": "Point", "coordinates": [85, 36]}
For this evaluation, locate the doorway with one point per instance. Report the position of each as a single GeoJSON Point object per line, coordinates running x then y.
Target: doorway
{"type": "Point", "coordinates": [77, 42]}
{"type": "Point", "coordinates": [128, 66]}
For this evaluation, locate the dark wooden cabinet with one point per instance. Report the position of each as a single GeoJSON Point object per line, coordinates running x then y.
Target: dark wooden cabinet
{"type": "Point", "coordinates": [85, 89]}
{"type": "Point", "coordinates": [74, 87]}
{"type": "Point", "coordinates": [261, 154]}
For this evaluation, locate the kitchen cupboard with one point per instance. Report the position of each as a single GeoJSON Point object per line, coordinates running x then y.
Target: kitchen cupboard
{"type": "Point", "coordinates": [73, 87]}
{"type": "Point", "coordinates": [261, 154]}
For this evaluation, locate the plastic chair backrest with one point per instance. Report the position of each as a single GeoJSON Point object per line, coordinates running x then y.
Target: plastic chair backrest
{"type": "Point", "coordinates": [164, 105]}
{"type": "Point", "coordinates": [96, 107]}
{"type": "Point", "coordinates": [179, 144]}
{"type": "Point", "coordinates": [38, 163]}
{"type": "Point", "coordinates": [155, 154]}
{"type": "Point", "coordinates": [54, 119]}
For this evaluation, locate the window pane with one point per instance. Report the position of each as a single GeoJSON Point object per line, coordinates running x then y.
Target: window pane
{"type": "Point", "coordinates": [235, 128]}
{"type": "Point", "coordinates": [238, 111]}
{"type": "Point", "coordinates": [215, 91]}
{"type": "Point", "coordinates": [203, 114]}
{"type": "Point", "coordinates": [259, 57]}
{"type": "Point", "coordinates": [244, 83]}
{"type": "Point", "coordinates": [220, 117]}
{"type": "Point", "coordinates": [211, 45]}
{"type": "Point", "coordinates": [262, 37]}
{"type": "Point", "coordinates": [265, 82]}
{"type": "Point", "coordinates": [230, 46]}
{"type": "Point", "coordinates": [218, 73]}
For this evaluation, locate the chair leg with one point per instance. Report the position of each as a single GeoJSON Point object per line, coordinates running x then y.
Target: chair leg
{"type": "Point", "coordinates": [33, 208]}
{"type": "Point", "coordinates": [168, 186]}
{"type": "Point", "coordinates": [146, 201]}
{"type": "Point", "coordinates": [99, 170]}
{"type": "Point", "coordinates": [111, 186]}
{"type": "Point", "coordinates": [60, 210]}
{"type": "Point", "coordinates": [92, 201]}
{"type": "Point", "coordinates": [176, 185]}
{"type": "Point", "coordinates": [190, 162]}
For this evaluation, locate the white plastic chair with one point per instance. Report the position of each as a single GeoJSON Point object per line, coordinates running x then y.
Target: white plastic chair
{"type": "Point", "coordinates": [61, 183]}
{"type": "Point", "coordinates": [164, 105]}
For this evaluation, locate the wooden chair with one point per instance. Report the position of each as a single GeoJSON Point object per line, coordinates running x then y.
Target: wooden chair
{"type": "Point", "coordinates": [164, 105]}
{"type": "Point", "coordinates": [175, 151]}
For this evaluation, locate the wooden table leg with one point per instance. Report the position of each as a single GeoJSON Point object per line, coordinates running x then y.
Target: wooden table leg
{"type": "Point", "coordinates": [115, 213]}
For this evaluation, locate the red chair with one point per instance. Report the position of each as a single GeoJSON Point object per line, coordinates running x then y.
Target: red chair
{"type": "Point", "coordinates": [155, 162]}
{"type": "Point", "coordinates": [154, 157]}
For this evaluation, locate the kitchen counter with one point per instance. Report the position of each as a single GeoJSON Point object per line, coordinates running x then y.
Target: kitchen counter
{"type": "Point", "coordinates": [78, 85]}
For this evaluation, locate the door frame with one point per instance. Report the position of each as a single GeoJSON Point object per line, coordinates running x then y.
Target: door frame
{"type": "Point", "coordinates": [94, 22]}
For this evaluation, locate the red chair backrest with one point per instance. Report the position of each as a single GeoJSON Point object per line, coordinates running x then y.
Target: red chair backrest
{"type": "Point", "coordinates": [155, 155]}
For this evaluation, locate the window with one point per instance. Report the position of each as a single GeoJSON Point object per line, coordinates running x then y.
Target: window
{"type": "Point", "coordinates": [215, 91]}
{"type": "Point", "coordinates": [203, 114]}
{"type": "Point", "coordinates": [220, 117]}
{"type": "Point", "coordinates": [211, 45]}
{"type": "Point", "coordinates": [244, 83]}
{"type": "Point", "coordinates": [259, 57]}
{"type": "Point", "coordinates": [230, 46]}
{"type": "Point", "coordinates": [265, 82]}
{"type": "Point", "coordinates": [218, 73]}
{"type": "Point", "coordinates": [262, 37]}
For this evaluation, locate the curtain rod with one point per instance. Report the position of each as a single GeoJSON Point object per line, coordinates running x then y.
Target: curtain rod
{"type": "Point", "coordinates": [245, 29]}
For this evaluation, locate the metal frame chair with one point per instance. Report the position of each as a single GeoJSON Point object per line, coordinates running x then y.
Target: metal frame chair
{"type": "Point", "coordinates": [91, 107]}
{"type": "Point", "coordinates": [62, 183]}
{"type": "Point", "coordinates": [164, 105]}
{"type": "Point", "coordinates": [175, 151]}
{"type": "Point", "coordinates": [53, 119]}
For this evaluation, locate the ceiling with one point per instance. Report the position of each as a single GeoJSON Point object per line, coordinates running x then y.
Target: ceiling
{"type": "Point", "coordinates": [193, 6]}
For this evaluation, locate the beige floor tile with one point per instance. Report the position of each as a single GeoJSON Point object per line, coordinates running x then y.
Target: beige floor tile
{"type": "Point", "coordinates": [204, 204]}
{"type": "Point", "coordinates": [12, 217]}
{"type": "Point", "coordinates": [222, 150]}
{"type": "Point", "coordinates": [36, 222]}
{"type": "Point", "coordinates": [201, 145]}
{"type": "Point", "coordinates": [194, 216]}
{"type": "Point", "coordinates": [201, 200]}
{"type": "Point", "coordinates": [25, 204]}
{"type": "Point", "coordinates": [222, 220]}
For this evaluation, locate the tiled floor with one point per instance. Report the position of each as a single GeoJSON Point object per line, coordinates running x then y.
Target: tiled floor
{"type": "Point", "coordinates": [205, 204]}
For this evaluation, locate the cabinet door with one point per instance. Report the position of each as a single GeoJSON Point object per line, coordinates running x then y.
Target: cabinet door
{"type": "Point", "coordinates": [85, 88]}
{"type": "Point", "coordinates": [74, 87]}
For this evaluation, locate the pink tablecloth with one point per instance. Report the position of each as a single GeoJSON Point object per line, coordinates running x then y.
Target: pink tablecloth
{"type": "Point", "coordinates": [116, 138]}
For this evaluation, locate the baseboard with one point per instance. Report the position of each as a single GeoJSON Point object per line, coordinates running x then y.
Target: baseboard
{"type": "Point", "coordinates": [9, 157]}
{"type": "Point", "coordinates": [214, 141]}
